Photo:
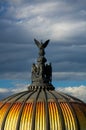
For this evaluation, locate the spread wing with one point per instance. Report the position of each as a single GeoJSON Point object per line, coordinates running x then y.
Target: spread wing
{"type": "Point", "coordinates": [46, 43]}
{"type": "Point", "coordinates": [38, 43]}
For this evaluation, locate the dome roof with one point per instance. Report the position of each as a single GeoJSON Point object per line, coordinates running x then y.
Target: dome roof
{"type": "Point", "coordinates": [41, 107]}
{"type": "Point", "coordinates": [42, 110]}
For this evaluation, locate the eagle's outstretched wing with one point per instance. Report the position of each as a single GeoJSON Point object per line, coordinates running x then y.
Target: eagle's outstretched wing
{"type": "Point", "coordinates": [38, 43]}
{"type": "Point", "coordinates": [41, 45]}
{"type": "Point", "coordinates": [46, 43]}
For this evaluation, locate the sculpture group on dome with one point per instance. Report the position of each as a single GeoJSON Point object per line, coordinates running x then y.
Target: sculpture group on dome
{"type": "Point", "coordinates": [41, 72]}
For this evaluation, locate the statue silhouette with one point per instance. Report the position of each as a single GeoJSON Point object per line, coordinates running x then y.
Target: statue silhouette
{"type": "Point", "coordinates": [41, 46]}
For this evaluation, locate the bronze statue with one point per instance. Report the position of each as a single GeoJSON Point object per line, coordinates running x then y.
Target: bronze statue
{"type": "Point", "coordinates": [41, 46]}
{"type": "Point", "coordinates": [41, 72]}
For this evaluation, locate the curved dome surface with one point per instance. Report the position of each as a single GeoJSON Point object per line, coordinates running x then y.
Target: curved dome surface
{"type": "Point", "coordinates": [41, 107]}
{"type": "Point", "coordinates": [42, 110]}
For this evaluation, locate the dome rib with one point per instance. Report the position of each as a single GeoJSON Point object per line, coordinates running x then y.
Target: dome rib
{"type": "Point", "coordinates": [83, 110]}
{"type": "Point", "coordinates": [47, 111]}
{"type": "Point", "coordinates": [21, 109]}
{"type": "Point", "coordinates": [62, 125]}
{"type": "Point", "coordinates": [12, 96]}
{"type": "Point", "coordinates": [3, 123]}
{"type": "Point", "coordinates": [66, 96]}
{"type": "Point", "coordinates": [9, 98]}
{"type": "Point", "coordinates": [34, 110]}
{"type": "Point", "coordinates": [78, 114]}
{"type": "Point", "coordinates": [77, 126]}
{"type": "Point", "coordinates": [76, 101]}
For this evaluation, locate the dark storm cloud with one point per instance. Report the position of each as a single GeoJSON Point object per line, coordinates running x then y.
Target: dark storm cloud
{"type": "Point", "coordinates": [64, 22]}
{"type": "Point", "coordinates": [16, 57]}
{"type": "Point", "coordinates": [70, 60]}
{"type": "Point", "coordinates": [11, 32]}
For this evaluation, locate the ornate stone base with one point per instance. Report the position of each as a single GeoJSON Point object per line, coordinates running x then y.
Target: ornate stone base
{"type": "Point", "coordinates": [41, 86]}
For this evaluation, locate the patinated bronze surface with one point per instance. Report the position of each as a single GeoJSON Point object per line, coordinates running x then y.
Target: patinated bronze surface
{"type": "Point", "coordinates": [41, 72]}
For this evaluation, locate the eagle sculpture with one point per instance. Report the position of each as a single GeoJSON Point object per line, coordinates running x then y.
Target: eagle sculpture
{"type": "Point", "coordinates": [41, 46]}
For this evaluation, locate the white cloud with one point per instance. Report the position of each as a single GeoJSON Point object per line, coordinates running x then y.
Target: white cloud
{"type": "Point", "coordinates": [63, 30]}
{"type": "Point", "coordinates": [57, 31]}
{"type": "Point", "coordinates": [4, 90]}
{"type": "Point", "coordinates": [79, 92]}
{"type": "Point", "coordinates": [37, 21]}
{"type": "Point", "coordinates": [54, 19]}
{"type": "Point", "coordinates": [19, 87]}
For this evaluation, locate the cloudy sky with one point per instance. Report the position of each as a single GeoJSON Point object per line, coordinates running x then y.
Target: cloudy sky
{"type": "Point", "coordinates": [61, 21]}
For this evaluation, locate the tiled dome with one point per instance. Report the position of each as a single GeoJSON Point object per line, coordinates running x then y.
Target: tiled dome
{"type": "Point", "coordinates": [41, 107]}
